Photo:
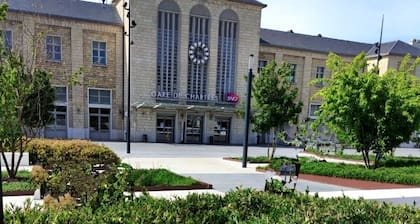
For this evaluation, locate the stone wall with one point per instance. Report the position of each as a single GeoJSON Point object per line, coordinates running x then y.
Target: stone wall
{"type": "Point", "coordinates": [75, 51]}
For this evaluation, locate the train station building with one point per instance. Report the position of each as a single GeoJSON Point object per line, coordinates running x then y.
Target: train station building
{"type": "Point", "coordinates": [182, 63]}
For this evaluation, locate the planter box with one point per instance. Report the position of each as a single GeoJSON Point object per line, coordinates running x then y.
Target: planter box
{"type": "Point", "coordinates": [199, 186]}
{"type": "Point", "coordinates": [23, 162]}
{"type": "Point", "coordinates": [18, 193]}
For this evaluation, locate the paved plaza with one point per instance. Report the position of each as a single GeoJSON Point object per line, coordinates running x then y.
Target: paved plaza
{"type": "Point", "coordinates": [206, 163]}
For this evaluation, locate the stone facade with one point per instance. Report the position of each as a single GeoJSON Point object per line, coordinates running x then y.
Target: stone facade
{"type": "Point", "coordinates": [306, 67]}
{"type": "Point", "coordinates": [144, 59]}
{"type": "Point", "coordinates": [29, 38]}
{"type": "Point", "coordinates": [307, 63]}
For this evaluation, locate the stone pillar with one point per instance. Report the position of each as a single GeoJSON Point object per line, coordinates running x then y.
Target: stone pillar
{"type": "Point", "coordinates": [305, 88]}
{"type": "Point", "coordinates": [77, 110]}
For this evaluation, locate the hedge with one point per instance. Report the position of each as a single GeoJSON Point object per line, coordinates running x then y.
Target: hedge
{"type": "Point", "coordinates": [241, 206]}
{"type": "Point", "coordinates": [400, 175]}
{"type": "Point", "coordinates": [47, 152]}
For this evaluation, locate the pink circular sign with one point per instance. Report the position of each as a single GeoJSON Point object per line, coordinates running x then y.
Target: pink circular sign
{"type": "Point", "coordinates": [232, 97]}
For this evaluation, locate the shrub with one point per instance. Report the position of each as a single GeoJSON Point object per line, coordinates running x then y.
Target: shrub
{"type": "Point", "coordinates": [276, 163]}
{"type": "Point", "coordinates": [66, 201]}
{"type": "Point", "coordinates": [72, 167]}
{"type": "Point", "coordinates": [39, 175]}
{"type": "Point", "coordinates": [400, 162]}
{"type": "Point", "coordinates": [241, 206]}
{"type": "Point", "coordinates": [74, 178]}
{"type": "Point", "coordinates": [48, 152]}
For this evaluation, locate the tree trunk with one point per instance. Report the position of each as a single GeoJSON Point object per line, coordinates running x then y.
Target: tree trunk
{"type": "Point", "coordinates": [273, 145]}
{"type": "Point", "coordinates": [13, 167]}
{"type": "Point", "coordinates": [365, 153]}
{"type": "Point", "coordinates": [377, 158]}
{"type": "Point", "coordinates": [6, 163]}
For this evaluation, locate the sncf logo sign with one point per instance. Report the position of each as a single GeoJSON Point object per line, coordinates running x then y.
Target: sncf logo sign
{"type": "Point", "coordinates": [232, 97]}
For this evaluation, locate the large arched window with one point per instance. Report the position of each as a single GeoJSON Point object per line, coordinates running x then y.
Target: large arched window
{"type": "Point", "coordinates": [227, 53]}
{"type": "Point", "coordinates": [167, 47]}
{"type": "Point", "coordinates": [198, 51]}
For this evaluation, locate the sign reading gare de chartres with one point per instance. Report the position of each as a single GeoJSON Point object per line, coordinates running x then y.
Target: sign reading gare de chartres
{"type": "Point", "coordinates": [229, 97]}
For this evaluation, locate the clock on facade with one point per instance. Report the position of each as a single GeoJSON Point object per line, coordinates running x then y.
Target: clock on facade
{"type": "Point", "coordinates": [198, 53]}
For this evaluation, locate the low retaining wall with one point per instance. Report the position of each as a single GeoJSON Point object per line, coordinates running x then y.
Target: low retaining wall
{"type": "Point", "coordinates": [23, 162]}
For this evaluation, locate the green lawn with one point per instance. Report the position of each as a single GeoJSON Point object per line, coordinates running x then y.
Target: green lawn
{"type": "Point", "coordinates": [24, 183]}
{"type": "Point", "coordinates": [136, 177]}
{"type": "Point", "coordinates": [402, 175]}
{"type": "Point", "coordinates": [158, 177]}
{"type": "Point", "coordinates": [401, 170]}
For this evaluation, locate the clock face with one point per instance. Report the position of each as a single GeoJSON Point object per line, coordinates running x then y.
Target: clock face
{"type": "Point", "coordinates": [199, 53]}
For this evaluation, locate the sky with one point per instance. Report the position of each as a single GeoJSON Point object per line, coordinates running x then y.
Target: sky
{"type": "Point", "coordinates": [355, 20]}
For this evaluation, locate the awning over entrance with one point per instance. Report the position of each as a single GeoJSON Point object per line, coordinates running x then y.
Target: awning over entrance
{"type": "Point", "coordinates": [157, 105]}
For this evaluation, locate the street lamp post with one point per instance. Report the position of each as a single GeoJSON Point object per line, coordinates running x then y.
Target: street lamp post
{"type": "Point", "coordinates": [131, 24]}
{"type": "Point", "coordinates": [247, 110]}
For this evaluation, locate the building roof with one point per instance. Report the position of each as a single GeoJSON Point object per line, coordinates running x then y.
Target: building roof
{"type": "Point", "coordinates": [252, 2]}
{"type": "Point", "coordinates": [395, 48]}
{"type": "Point", "coordinates": [311, 43]}
{"type": "Point", "coordinates": [71, 9]}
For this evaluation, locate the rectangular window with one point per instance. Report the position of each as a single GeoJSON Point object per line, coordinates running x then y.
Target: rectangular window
{"type": "Point", "coordinates": [60, 117]}
{"type": "Point", "coordinates": [7, 39]}
{"type": "Point", "coordinates": [61, 94]}
{"type": "Point", "coordinates": [167, 52]}
{"type": "Point", "coordinates": [99, 119]}
{"type": "Point", "coordinates": [261, 64]}
{"type": "Point", "coordinates": [319, 75]}
{"type": "Point", "coordinates": [60, 110]}
{"type": "Point", "coordinates": [292, 77]}
{"type": "Point", "coordinates": [99, 96]}
{"type": "Point", "coordinates": [53, 45]}
{"type": "Point", "coordinates": [312, 110]}
{"type": "Point", "coordinates": [98, 53]}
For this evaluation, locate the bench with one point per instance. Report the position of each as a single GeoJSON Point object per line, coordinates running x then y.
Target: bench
{"type": "Point", "coordinates": [287, 175]}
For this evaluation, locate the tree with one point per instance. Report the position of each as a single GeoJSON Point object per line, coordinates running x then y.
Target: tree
{"type": "Point", "coordinates": [274, 100]}
{"type": "Point", "coordinates": [26, 97]}
{"type": "Point", "coordinates": [370, 112]}
{"type": "Point", "coordinates": [25, 101]}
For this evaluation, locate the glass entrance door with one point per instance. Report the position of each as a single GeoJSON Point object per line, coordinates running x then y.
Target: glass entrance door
{"type": "Point", "coordinates": [99, 123]}
{"type": "Point", "coordinates": [165, 128]}
{"type": "Point", "coordinates": [194, 129]}
{"type": "Point", "coordinates": [221, 131]}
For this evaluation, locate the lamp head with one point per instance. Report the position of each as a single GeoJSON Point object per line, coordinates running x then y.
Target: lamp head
{"type": "Point", "coordinates": [133, 24]}
{"type": "Point", "coordinates": [251, 61]}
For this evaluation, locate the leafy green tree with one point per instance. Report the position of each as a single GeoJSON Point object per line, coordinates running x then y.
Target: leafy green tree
{"type": "Point", "coordinates": [39, 103]}
{"type": "Point", "coordinates": [25, 101]}
{"type": "Point", "coordinates": [370, 112]}
{"type": "Point", "coordinates": [275, 101]}
{"type": "Point", "coordinates": [26, 97]}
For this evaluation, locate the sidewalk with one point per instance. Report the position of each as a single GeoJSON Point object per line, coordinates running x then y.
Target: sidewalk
{"type": "Point", "coordinates": [226, 175]}
{"type": "Point", "coordinates": [372, 194]}
{"type": "Point", "coordinates": [329, 159]}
